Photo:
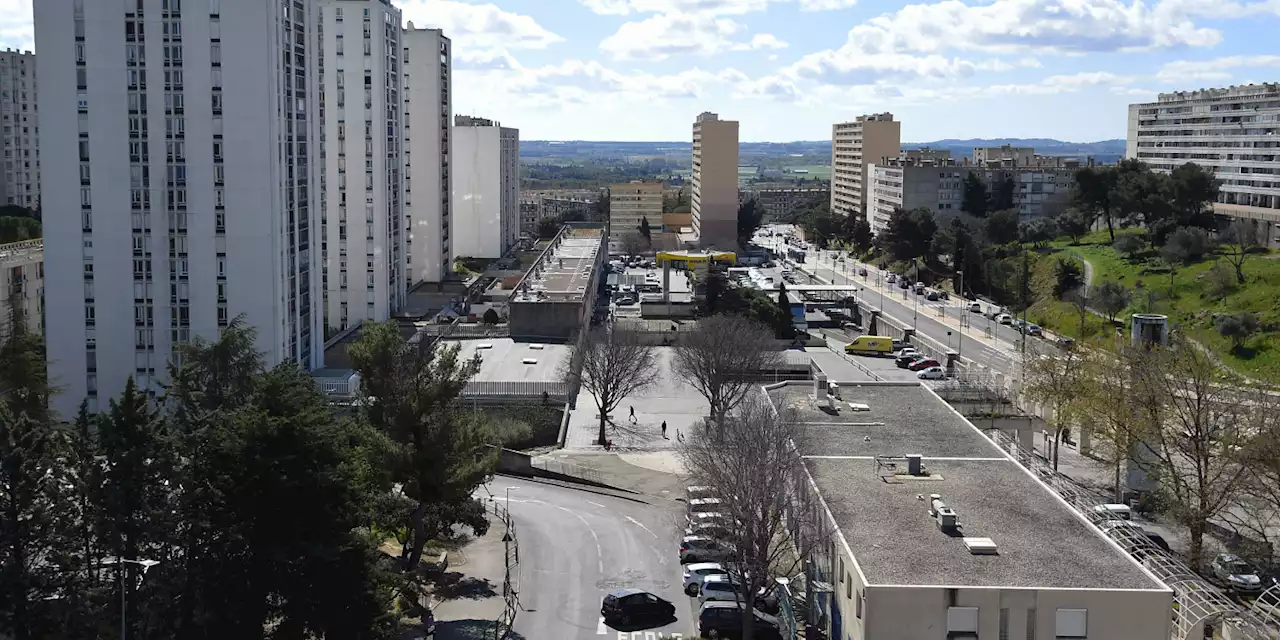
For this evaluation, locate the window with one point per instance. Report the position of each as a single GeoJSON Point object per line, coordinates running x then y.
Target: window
{"type": "Point", "coordinates": [1071, 624]}
{"type": "Point", "coordinates": [1004, 624]}
{"type": "Point", "coordinates": [337, 14]}
{"type": "Point", "coordinates": [215, 53]}
{"type": "Point", "coordinates": [962, 622]}
{"type": "Point", "coordinates": [338, 46]}
{"type": "Point", "coordinates": [89, 315]}
{"type": "Point", "coordinates": [85, 199]}
{"type": "Point", "coordinates": [1031, 623]}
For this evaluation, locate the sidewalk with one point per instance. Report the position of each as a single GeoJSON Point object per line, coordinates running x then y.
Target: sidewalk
{"type": "Point", "coordinates": [467, 598]}
{"type": "Point", "coordinates": [658, 474]}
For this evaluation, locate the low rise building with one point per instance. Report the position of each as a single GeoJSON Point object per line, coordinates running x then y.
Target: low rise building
{"type": "Point", "coordinates": [631, 203]}
{"type": "Point", "coordinates": [554, 299]}
{"type": "Point", "coordinates": [22, 279]}
{"type": "Point", "coordinates": [936, 532]}
{"type": "Point", "coordinates": [780, 201]}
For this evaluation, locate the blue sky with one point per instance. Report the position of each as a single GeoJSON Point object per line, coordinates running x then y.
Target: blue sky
{"type": "Point", "coordinates": [788, 69]}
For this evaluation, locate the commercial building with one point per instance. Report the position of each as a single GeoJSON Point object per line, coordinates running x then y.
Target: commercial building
{"type": "Point", "coordinates": [1042, 187]}
{"type": "Point", "coordinates": [553, 300]}
{"type": "Point", "coordinates": [715, 181]}
{"type": "Point", "coordinates": [936, 532]}
{"type": "Point", "coordinates": [854, 147]}
{"type": "Point", "coordinates": [20, 182]}
{"type": "Point", "coordinates": [194, 131]}
{"type": "Point", "coordinates": [428, 108]}
{"type": "Point", "coordinates": [362, 157]}
{"type": "Point", "coordinates": [22, 287]}
{"type": "Point", "coordinates": [486, 188]}
{"type": "Point", "coordinates": [1234, 132]}
{"type": "Point", "coordinates": [780, 201]}
{"type": "Point", "coordinates": [631, 203]}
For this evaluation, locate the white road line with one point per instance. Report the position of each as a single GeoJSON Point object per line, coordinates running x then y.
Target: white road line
{"type": "Point", "coordinates": [641, 525]}
{"type": "Point", "coordinates": [597, 504]}
{"type": "Point", "coordinates": [601, 630]}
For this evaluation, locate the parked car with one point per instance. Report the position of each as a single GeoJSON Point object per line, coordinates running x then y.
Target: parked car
{"type": "Point", "coordinates": [1004, 318]}
{"type": "Point", "coordinates": [932, 296]}
{"type": "Point", "coordinates": [719, 587]}
{"type": "Point", "coordinates": [904, 352]}
{"type": "Point", "coordinates": [701, 549]}
{"type": "Point", "coordinates": [1238, 575]}
{"type": "Point", "coordinates": [919, 288]}
{"type": "Point", "coordinates": [1034, 330]}
{"type": "Point", "coordinates": [923, 363]}
{"type": "Point", "coordinates": [695, 573]}
{"type": "Point", "coordinates": [724, 620]}
{"type": "Point", "coordinates": [893, 277]}
{"type": "Point", "coordinates": [626, 606]}
{"type": "Point", "coordinates": [903, 361]}
{"type": "Point", "coordinates": [975, 307]}
{"type": "Point", "coordinates": [862, 272]}
{"type": "Point", "coordinates": [898, 344]}
{"type": "Point", "coordinates": [932, 373]}
{"type": "Point", "coordinates": [902, 284]}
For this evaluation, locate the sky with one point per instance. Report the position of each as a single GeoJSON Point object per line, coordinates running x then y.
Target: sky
{"type": "Point", "coordinates": [789, 69]}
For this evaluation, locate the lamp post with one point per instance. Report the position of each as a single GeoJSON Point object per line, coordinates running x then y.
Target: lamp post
{"type": "Point", "coordinates": [963, 314]}
{"type": "Point", "coordinates": [915, 314]}
{"type": "Point", "coordinates": [145, 564]}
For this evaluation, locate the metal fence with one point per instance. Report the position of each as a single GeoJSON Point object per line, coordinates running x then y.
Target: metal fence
{"type": "Point", "coordinates": [569, 469]}
{"type": "Point", "coordinates": [555, 391]}
{"type": "Point", "coordinates": [511, 578]}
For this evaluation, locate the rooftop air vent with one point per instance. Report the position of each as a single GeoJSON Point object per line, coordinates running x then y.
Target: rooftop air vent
{"type": "Point", "coordinates": [981, 546]}
{"type": "Point", "coordinates": [914, 465]}
{"type": "Point", "coordinates": [947, 518]}
{"type": "Point", "coordinates": [537, 346]}
{"type": "Point", "coordinates": [530, 361]}
{"type": "Point", "coordinates": [485, 345]}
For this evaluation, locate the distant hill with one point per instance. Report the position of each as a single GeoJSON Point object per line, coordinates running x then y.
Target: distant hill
{"type": "Point", "coordinates": [1104, 150]}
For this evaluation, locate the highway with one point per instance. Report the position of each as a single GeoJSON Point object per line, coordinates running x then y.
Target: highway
{"type": "Point", "coordinates": [576, 546]}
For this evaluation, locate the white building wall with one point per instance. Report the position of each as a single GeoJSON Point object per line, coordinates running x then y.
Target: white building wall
{"type": "Point", "coordinates": [477, 227]}
{"type": "Point", "coordinates": [188, 214]}
{"type": "Point", "coordinates": [20, 180]}
{"type": "Point", "coordinates": [509, 208]}
{"type": "Point", "coordinates": [362, 193]}
{"type": "Point", "coordinates": [428, 113]}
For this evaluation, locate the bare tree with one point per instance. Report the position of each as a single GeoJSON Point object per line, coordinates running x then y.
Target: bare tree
{"type": "Point", "coordinates": [756, 470]}
{"type": "Point", "coordinates": [634, 244]}
{"type": "Point", "coordinates": [1258, 507]}
{"type": "Point", "coordinates": [1195, 421]}
{"type": "Point", "coordinates": [1111, 421]}
{"type": "Point", "coordinates": [1080, 300]}
{"type": "Point", "coordinates": [722, 358]}
{"type": "Point", "coordinates": [1058, 381]}
{"type": "Point", "coordinates": [611, 365]}
{"type": "Point", "coordinates": [1237, 240]}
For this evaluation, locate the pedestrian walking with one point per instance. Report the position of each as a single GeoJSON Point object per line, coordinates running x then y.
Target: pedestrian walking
{"type": "Point", "coordinates": [633, 413]}
{"type": "Point", "coordinates": [664, 429]}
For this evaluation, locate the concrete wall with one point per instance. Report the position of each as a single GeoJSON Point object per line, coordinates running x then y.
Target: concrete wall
{"type": "Point", "coordinates": [545, 320]}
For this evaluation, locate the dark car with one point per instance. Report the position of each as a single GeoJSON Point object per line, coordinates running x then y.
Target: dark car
{"type": "Point", "coordinates": [905, 361]}
{"type": "Point", "coordinates": [627, 606]}
{"type": "Point", "coordinates": [862, 272]}
{"type": "Point", "coordinates": [902, 284]}
{"type": "Point", "coordinates": [932, 297]}
{"type": "Point", "coordinates": [724, 619]}
{"type": "Point", "coordinates": [923, 363]}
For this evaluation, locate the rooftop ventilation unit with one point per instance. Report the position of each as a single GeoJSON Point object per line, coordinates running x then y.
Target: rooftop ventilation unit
{"type": "Point", "coordinates": [947, 518]}
{"type": "Point", "coordinates": [914, 465]}
{"type": "Point", "coordinates": [981, 546]}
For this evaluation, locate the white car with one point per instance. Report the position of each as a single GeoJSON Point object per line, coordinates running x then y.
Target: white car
{"type": "Point", "coordinates": [905, 351]}
{"type": "Point", "coordinates": [695, 573]}
{"type": "Point", "coordinates": [701, 549]}
{"type": "Point", "coordinates": [1004, 318]}
{"type": "Point", "coordinates": [932, 373]}
{"type": "Point", "coordinates": [717, 588]}
{"type": "Point", "coordinates": [975, 307]}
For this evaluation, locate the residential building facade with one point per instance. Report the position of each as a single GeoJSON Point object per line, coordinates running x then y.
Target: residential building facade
{"type": "Point", "coordinates": [854, 147]}
{"type": "Point", "coordinates": [201, 121]}
{"type": "Point", "coordinates": [780, 201]}
{"type": "Point", "coordinates": [22, 287]}
{"type": "Point", "coordinates": [1232, 131]}
{"type": "Point", "coordinates": [486, 187]}
{"type": "Point", "coordinates": [20, 182]}
{"type": "Point", "coordinates": [1018, 155]}
{"type": "Point", "coordinates": [362, 159]}
{"type": "Point", "coordinates": [631, 203]}
{"type": "Point", "coordinates": [569, 204]}
{"type": "Point", "coordinates": [714, 196]}
{"type": "Point", "coordinates": [428, 98]}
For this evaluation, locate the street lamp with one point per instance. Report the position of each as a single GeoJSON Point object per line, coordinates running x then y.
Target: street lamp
{"type": "Point", "coordinates": [145, 564]}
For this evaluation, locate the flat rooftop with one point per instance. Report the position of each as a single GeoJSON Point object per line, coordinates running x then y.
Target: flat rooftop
{"type": "Point", "coordinates": [564, 272]}
{"type": "Point", "coordinates": [883, 514]}
{"type": "Point", "coordinates": [504, 359]}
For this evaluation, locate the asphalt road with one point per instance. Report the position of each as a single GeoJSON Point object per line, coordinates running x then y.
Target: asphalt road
{"type": "Point", "coordinates": [576, 546]}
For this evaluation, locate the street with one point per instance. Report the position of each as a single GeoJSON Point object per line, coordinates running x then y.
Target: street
{"type": "Point", "coordinates": [576, 546]}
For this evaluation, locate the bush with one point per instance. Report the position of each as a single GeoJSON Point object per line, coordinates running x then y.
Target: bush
{"type": "Point", "coordinates": [1111, 298]}
{"type": "Point", "coordinates": [511, 433]}
{"type": "Point", "coordinates": [1129, 245]}
{"type": "Point", "coordinates": [1220, 281]}
{"type": "Point", "coordinates": [1238, 327]}
{"type": "Point", "coordinates": [1067, 276]}
{"type": "Point", "coordinates": [1187, 245]}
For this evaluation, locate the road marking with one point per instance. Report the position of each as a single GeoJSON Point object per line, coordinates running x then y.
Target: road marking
{"type": "Point", "coordinates": [641, 525]}
{"type": "Point", "coordinates": [602, 630]}
{"type": "Point", "coordinates": [597, 504]}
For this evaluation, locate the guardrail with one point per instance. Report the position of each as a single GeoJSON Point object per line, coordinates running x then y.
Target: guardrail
{"type": "Point", "coordinates": [568, 469]}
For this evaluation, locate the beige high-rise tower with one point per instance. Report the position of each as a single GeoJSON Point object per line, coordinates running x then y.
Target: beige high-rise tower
{"type": "Point", "coordinates": [854, 147]}
{"type": "Point", "coordinates": [715, 181]}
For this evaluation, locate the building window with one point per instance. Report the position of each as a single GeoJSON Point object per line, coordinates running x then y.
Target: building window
{"type": "Point", "coordinates": [1071, 624]}
{"type": "Point", "coordinates": [962, 623]}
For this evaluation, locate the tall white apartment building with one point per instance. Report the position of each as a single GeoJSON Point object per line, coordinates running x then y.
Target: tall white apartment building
{"type": "Point", "coordinates": [1235, 132]}
{"type": "Point", "coordinates": [428, 107]}
{"type": "Point", "coordinates": [486, 187]}
{"type": "Point", "coordinates": [193, 126]}
{"type": "Point", "coordinates": [854, 147]}
{"type": "Point", "coordinates": [362, 157]}
{"type": "Point", "coordinates": [20, 181]}
{"type": "Point", "coordinates": [22, 287]}
{"type": "Point", "coordinates": [714, 197]}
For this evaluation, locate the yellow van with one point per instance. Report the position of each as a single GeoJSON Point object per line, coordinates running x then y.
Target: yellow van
{"type": "Point", "coordinates": [870, 346]}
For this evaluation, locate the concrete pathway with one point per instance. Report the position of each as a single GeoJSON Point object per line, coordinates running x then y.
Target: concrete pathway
{"type": "Point", "coordinates": [468, 597]}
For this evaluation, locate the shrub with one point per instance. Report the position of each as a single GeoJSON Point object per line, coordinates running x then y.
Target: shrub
{"type": "Point", "coordinates": [1187, 245]}
{"type": "Point", "coordinates": [1129, 245]}
{"type": "Point", "coordinates": [1238, 327]}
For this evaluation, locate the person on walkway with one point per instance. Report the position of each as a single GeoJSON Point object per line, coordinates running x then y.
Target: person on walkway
{"type": "Point", "coordinates": [633, 413]}
{"type": "Point", "coordinates": [664, 429]}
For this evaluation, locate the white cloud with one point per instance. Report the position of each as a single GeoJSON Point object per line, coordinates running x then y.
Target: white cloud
{"type": "Point", "coordinates": [16, 29]}
{"type": "Point", "coordinates": [826, 5]}
{"type": "Point", "coordinates": [713, 7]}
{"type": "Point", "coordinates": [672, 34]}
{"type": "Point", "coordinates": [835, 68]}
{"type": "Point", "coordinates": [480, 32]}
{"type": "Point", "coordinates": [1217, 69]}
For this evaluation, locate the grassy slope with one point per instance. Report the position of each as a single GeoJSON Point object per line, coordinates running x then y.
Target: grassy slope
{"type": "Point", "coordinates": [1191, 307]}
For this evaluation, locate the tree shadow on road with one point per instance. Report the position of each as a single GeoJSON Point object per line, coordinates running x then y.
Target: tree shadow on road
{"type": "Point", "coordinates": [453, 585]}
{"type": "Point", "coordinates": [470, 630]}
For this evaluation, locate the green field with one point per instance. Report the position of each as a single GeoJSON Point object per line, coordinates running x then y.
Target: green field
{"type": "Point", "coordinates": [815, 171]}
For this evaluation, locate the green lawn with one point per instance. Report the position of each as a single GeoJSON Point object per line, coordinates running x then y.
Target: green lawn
{"type": "Point", "coordinates": [816, 171]}
{"type": "Point", "coordinates": [1192, 305]}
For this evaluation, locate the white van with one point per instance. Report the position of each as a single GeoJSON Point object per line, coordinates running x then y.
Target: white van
{"type": "Point", "coordinates": [1121, 511]}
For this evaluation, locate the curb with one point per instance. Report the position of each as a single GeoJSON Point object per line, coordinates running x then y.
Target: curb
{"type": "Point", "coordinates": [610, 491]}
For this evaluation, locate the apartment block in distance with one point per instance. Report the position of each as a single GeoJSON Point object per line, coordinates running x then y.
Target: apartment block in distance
{"type": "Point", "coordinates": [934, 531]}
{"type": "Point", "coordinates": [22, 286]}
{"type": "Point", "coordinates": [854, 146]}
{"type": "Point", "coordinates": [630, 203]}
{"type": "Point", "coordinates": [194, 129]}
{"type": "Point", "coordinates": [20, 181]}
{"type": "Point", "coordinates": [362, 193]}
{"type": "Point", "coordinates": [486, 187]}
{"type": "Point", "coordinates": [714, 197]}
{"type": "Point", "coordinates": [1235, 132]}
{"type": "Point", "coordinates": [428, 109]}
